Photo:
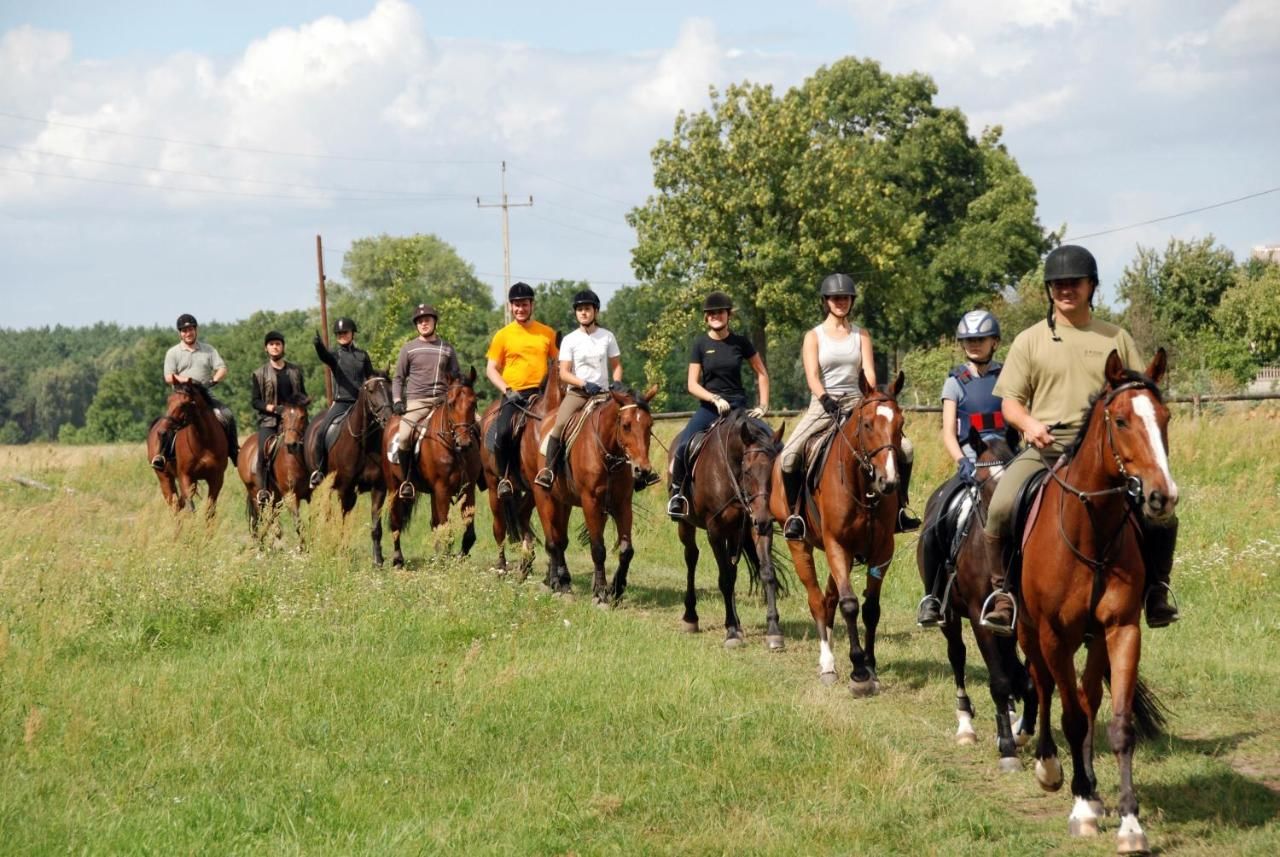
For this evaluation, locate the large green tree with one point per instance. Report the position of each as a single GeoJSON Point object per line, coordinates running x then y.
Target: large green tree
{"type": "Point", "coordinates": [855, 170]}
{"type": "Point", "coordinates": [1171, 297]}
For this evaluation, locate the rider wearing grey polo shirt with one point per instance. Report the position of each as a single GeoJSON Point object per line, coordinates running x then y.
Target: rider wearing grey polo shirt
{"type": "Point", "coordinates": [194, 361]}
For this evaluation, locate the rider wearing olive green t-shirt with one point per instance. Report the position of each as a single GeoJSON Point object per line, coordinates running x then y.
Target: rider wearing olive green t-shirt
{"type": "Point", "coordinates": [1052, 370]}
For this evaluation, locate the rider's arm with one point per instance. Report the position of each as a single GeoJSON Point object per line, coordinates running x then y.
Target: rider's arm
{"type": "Point", "coordinates": [762, 380]}
{"type": "Point", "coordinates": [257, 401]}
{"type": "Point", "coordinates": [323, 353]}
{"type": "Point", "coordinates": [494, 374]}
{"type": "Point", "coordinates": [219, 374]}
{"type": "Point", "coordinates": [615, 364]}
{"type": "Point", "coordinates": [868, 358]}
{"type": "Point", "coordinates": [695, 387]}
{"type": "Point", "coordinates": [949, 440]}
{"type": "Point", "coordinates": [812, 372]}
{"type": "Point", "coordinates": [1017, 415]}
{"type": "Point", "coordinates": [567, 376]}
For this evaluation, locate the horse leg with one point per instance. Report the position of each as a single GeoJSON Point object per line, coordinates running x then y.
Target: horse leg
{"type": "Point", "coordinates": [802, 561]}
{"type": "Point", "coordinates": [871, 618]}
{"type": "Point", "coordinates": [728, 579]}
{"type": "Point", "coordinates": [1001, 692]}
{"type": "Point", "coordinates": [622, 522]}
{"type": "Point", "coordinates": [1090, 699]}
{"type": "Point", "coordinates": [759, 548]}
{"type": "Point", "coordinates": [377, 496]}
{"type": "Point", "coordinates": [251, 508]}
{"type": "Point", "coordinates": [1124, 644]}
{"type": "Point", "coordinates": [499, 527]}
{"type": "Point", "coordinates": [1083, 820]}
{"type": "Point", "coordinates": [396, 514]}
{"type": "Point", "coordinates": [215, 488]}
{"type": "Point", "coordinates": [469, 518]}
{"type": "Point", "coordinates": [689, 537]}
{"type": "Point", "coordinates": [1048, 768]}
{"type": "Point", "coordinates": [956, 654]}
{"type": "Point", "coordinates": [440, 497]}
{"type": "Point", "coordinates": [862, 681]}
{"type": "Point", "coordinates": [594, 515]}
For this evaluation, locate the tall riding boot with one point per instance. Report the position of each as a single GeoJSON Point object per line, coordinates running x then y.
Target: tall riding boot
{"type": "Point", "coordinates": [164, 450]}
{"type": "Point", "coordinates": [1157, 556]}
{"type": "Point", "coordinates": [998, 608]}
{"type": "Point", "coordinates": [792, 483]}
{"type": "Point", "coordinates": [906, 521]}
{"type": "Point", "coordinates": [677, 505]}
{"type": "Point", "coordinates": [502, 458]}
{"type": "Point", "coordinates": [233, 437]}
{"type": "Point", "coordinates": [929, 610]}
{"type": "Point", "coordinates": [317, 473]}
{"type": "Point", "coordinates": [405, 461]}
{"type": "Point", "coordinates": [547, 475]}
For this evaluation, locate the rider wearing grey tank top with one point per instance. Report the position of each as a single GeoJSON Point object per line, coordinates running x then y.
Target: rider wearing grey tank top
{"type": "Point", "coordinates": [840, 364]}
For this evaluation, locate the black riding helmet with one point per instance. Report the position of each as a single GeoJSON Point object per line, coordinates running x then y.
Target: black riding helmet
{"type": "Point", "coordinates": [273, 336]}
{"type": "Point", "coordinates": [345, 325]}
{"type": "Point", "coordinates": [1068, 262]}
{"type": "Point", "coordinates": [187, 320]}
{"type": "Point", "coordinates": [717, 300]}
{"type": "Point", "coordinates": [520, 291]}
{"type": "Point", "coordinates": [835, 285]}
{"type": "Point", "coordinates": [586, 296]}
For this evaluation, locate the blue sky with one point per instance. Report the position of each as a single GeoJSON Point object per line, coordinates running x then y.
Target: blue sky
{"type": "Point", "coordinates": [350, 119]}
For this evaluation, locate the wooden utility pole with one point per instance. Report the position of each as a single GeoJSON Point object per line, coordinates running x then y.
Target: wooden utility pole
{"type": "Point", "coordinates": [506, 238]}
{"type": "Point", "coordinates": [324, 318]}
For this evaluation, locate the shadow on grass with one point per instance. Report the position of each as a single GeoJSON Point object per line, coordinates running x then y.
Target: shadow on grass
{"type": "Point", "coordinates": [1225, 798]}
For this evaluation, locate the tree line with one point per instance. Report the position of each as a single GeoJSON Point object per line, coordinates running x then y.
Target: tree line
{"type": "Point", "coordinates": [760, 195]}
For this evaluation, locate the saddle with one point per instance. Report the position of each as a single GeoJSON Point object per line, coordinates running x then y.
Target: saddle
{"type": "Point", "coordinates": [573, 428]}
{"type": "Point", "coordinates": [517, 424]}
{"type": "Point", "coordinates": [1026, 508]}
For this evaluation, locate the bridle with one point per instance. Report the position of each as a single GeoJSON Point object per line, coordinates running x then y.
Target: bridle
{"type": "Point", "coordinates": [379, 421]}
{"type": "Point", "coordinates": [865, 458]}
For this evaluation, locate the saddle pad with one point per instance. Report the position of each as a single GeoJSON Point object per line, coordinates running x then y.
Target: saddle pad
{"type": "Point", "coordinates": [1027, 506]}
{"type": "Point", "coordinates": [576, 423]}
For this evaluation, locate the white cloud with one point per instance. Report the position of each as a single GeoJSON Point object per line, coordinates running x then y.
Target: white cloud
{"type": "Point", "coordinates": [683, 74]}
{"type": "Point", "coordinates": [1250, 26]}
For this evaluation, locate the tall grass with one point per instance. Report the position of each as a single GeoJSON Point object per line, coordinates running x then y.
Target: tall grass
{"type": "Point", "coordinates": [168, 686]}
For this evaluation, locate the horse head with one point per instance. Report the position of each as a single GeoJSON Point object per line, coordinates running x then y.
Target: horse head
{"type": "Point", "coordinates": [1136, 421]}
{"type": "Point", "coordinates": [186, 398]}
{"type": "Point", "coordinates": [376, 393]}
{"type": "Point", "coordinates": [874, 432]}
{"type": "Point", "coordinates": [635, 431]}
{"type": "Point", "coordinates": [994, 454]}
{"type": "Point", "coordinates": [759, 448]}
{"type": "Point", "coordinates": [293, 424]}
{"type": "Point", "coordinates": [460, 409]}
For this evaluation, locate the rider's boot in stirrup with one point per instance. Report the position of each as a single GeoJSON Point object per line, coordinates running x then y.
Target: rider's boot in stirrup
{"type": "Point", "coordinates": [547, 475]}
{"type": "Point", "coordinates": [1157, 555]}
{"type": "Point", "coordinates": [907, 522]}
{"type": "Point", "coordinates": [793, 530]}
{"type": "Point", "coordinates": [998, 609]}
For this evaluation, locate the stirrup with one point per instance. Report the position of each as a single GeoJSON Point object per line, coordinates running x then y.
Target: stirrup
{"type": "Point", "coordinates": [505, 488]}
{"type": "Point", "coordinates": [158, 463]}
{"type": "Point", "coordinates": [1161, 623]}
{"type": "Point", "coordinates": [406, 491]}
{"type": "Point", "coordinates": [546, 477]}
{"type": "Point", "coordinates": [264, 497]}
{"type": "Point", "coordinates": [316, 478]}
{"type": "Point", "coordinates": [999, 630]}
{"type": "Point", "coordinates": [677, 507]}
{"type": "Point", "coordinates": [930, 623]}
{"type": "Point", "coordinates": [907, 522]}
{"type": "Point", "coordinates": [790, 533]}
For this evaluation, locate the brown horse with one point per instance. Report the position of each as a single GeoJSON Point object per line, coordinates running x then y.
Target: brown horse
{"type": "Point", "coordinates": [730, 500]}
{"type": "Point", "coordinates": [355, 459]}
{"type": "Point", "coordinates": [447, 464]}
{"type": "Point", "coordinates": [200, 447]}
{"type": "Point", "coordinates": [951, 561]}
{"type": "Point", "coordinates": [288, 477]}
{"type": "Point", "coordinates": [1082, 585]}
{"type": "Point", "coordinates": [512, 516]}
{"type": "Point", "coordinates": [604, 465]}
{"type": "Point", "coordinates": [850, 516]}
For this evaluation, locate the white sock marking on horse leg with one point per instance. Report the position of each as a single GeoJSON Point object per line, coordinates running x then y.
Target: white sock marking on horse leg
{"type": "Point", "coordinates": [826, 660]}
{"type": "Point", "coordinates": [1143, 407]}
{"type": "Point", "coordinates": [1129, 825]}
{"type": "Point", "coordinates": [965, 728]}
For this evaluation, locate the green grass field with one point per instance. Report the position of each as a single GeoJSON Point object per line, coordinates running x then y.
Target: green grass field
{"type": "Point", "coordinates": [167, 687]}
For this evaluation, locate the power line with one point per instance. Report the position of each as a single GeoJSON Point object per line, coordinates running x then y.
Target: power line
{"type": "Point", "coordinates": [227, 147]}
{"type": "Point", "coordinates": [578, 228]}
{"type": "Point", "coordinates": [582, 190]}
{"type": "Point", "coordinates": [1172, 216]}
{"type": "Point", "coordinates": [188, 173]}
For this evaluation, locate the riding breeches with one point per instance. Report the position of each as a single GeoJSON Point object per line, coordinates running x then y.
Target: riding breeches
{"type": "Point", "coordinates": [416, 410]}
{"type": "Point", "coordinates": [1024, 465]}
{"type": "Point", "coordinates": [574, 400]}
{"type": "Point", "coordinates": [813, 421]}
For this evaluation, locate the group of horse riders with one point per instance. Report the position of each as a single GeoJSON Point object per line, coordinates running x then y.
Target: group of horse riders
{"type": "Point", "coordinates": [1042, 390]}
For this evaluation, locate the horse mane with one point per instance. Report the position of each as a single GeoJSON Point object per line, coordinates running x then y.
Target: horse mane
{"type": "Point", "coordinates": [1129, 376]}
{"type": "Point", "coordinates": [381, 373]}
{"type": "Point", "coordinates": [194, 388]}
{"type": "Point", "coordinates": [757, 434]}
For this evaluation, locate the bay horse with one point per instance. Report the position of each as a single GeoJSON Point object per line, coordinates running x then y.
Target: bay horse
{"type": "Point", "coordinates": [609, 457]}
{"type": "Point", "coordinates": [1083, 581]}
{"type": "Point", "coordinates": [199, 447]}
{"type": "Point", "coordinates": [850, 516]}
{"type": "Point", "coordinates": [952, 565]}
{"type": "Point", "coordinates": [730, 500]}
{"type": "Point", "coordinates": [355, 459]}
{"type": "Point", "coordinates": [512, 516]}
{"type": "Point", "coordinates": [289, 472]}
{"type": "Point", "coordinates": [447, 465]}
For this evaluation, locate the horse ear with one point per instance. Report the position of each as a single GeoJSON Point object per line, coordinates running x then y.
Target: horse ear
{"type": "Point", "coordinates": [897, 384]}
{"type": "Point", "coordinates": [471, 376]}
{"type": "Point", "coordinates": [1115, 369]}
{"type": "Point", "coordinates": [863, 384]}
{"type": "Point", "coordinates": [650, 393]}
{"type": "Point", "coordinates": [777, 435]}
{"type": "Point", "coordinates": [975, 441]}
{"type": "Point", "coordinates": [1159, 364]}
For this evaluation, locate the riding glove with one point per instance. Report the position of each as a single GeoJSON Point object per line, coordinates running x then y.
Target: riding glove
{"type": "Point", "coordinates": [398, 408]}
{"type": "Point", "coordinates": [966, 470]}
{"type": "Point", "coordinates": [830, 405]}
{"type": "Point", "coordinates": [591, 388]}
{"type": "Point", "coordinates": [512, 395]}
{"type": "Point", "coordinates": [722, 405]}
{"type": "Point", "coordinates": [756, 413]}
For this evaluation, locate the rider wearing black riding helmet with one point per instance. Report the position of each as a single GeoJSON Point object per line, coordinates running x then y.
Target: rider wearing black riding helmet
{"type": "Point", "coordinates": [275, 384]}
{"type": "Point", "coordinates": [1051, 372]}
{"type": "Point", "coordinates": [195, 361]}
{"type": "Point", "coordinates": [715, 379]}
{"type": "Point", "coordinates": [423, 369]}
{"type": "Point", "coordinates": [589, 357]}
{"type": "Point", "coordinates": [351, 367]}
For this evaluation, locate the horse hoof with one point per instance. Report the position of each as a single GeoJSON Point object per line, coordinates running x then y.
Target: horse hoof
{"type": "Point", "coordinates": [688, 627]}
{"type": "Point", "coordinates": [1082, 826]}
{"type": "Point", "coordinates": [863, 689]}
{"type": "Point", "coordinates": [1009, 765]}
{"type": "Point", "coordinates": [1049, 773]}
{"type": "Point", "coordinates": [827, 678]}
{"type": "Point", "coordinates": [775, 642]}
{"type": "Point", "coordinates": [966, 739]}
{"type": "Point", "coordinates": [733, 641]}
{"type": "Point", "coordinates": [1099, 809]}
{"type": "Point", "coordinates": [1130, 839]}
{"type": "Point", "coordinates": [603, 603]}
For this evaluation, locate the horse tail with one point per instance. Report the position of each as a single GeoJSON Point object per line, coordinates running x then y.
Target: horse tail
{"type": "Point", "coordinates": [778, 560]}
{"type": "Point", "coordinates": [1150, 715]}
{"type": "Point", "coordinates": [511, 516]}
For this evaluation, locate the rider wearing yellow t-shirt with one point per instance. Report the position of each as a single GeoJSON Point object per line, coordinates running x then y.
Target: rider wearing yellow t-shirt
{"type": "Point", "coordinates": [518, 358]}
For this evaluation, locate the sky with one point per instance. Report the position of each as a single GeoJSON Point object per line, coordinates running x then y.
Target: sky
{"type": "Point", "coordinates": [161, 157]}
